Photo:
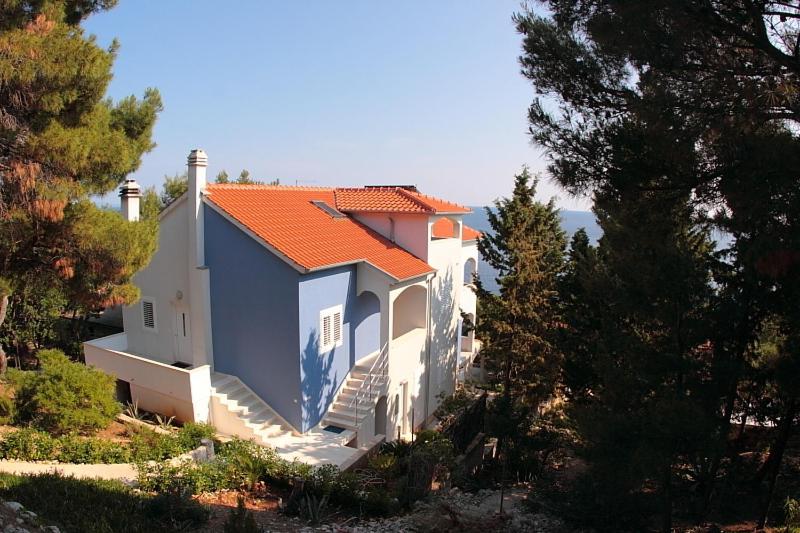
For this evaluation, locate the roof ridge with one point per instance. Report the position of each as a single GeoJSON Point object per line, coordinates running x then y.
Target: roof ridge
{"type": "Point", "coordinates": [408, 194]}
{"type": "Point", "coordinates": [265, 186]}
{"type": "Point", "coordinates": [422, 197]}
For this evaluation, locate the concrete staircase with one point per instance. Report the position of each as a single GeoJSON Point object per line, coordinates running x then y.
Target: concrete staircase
{"type": "Point", "coordinates": [357, 396]}
{"type": "Point", "coordinates": [237, 410]}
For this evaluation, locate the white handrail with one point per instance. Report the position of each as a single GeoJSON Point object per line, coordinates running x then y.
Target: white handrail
{"type": "Point", "coordinates": [377, 371]}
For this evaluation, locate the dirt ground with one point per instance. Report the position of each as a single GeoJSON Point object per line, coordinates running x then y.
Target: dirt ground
{"type": "Point", "coordinates": [264, 506]}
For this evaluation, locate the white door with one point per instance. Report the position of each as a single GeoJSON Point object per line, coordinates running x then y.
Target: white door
{"type": "Point", "coordinates": [183, 349]}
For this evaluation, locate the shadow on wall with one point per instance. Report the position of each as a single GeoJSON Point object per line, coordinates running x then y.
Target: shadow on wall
{"type": "Point", "coordinates": [445, 336]}
{"type": "Point", "coordinates": [365, 327]}
{"type": "Point", "coordinates": [317, 386]}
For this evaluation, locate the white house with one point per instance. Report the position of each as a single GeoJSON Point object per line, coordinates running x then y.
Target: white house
{"type": "Point", "coordinates": [312, 319]}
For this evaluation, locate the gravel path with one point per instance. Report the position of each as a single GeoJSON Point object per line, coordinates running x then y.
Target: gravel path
{"type": "Point", "coordinates": [124, 472]}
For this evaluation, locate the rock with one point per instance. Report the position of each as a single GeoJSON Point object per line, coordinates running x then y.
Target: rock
{"type": "Point", "coordinates": [14, 506]}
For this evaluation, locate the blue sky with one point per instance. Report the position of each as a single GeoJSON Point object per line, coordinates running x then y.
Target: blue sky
{"type": "Point", "coordinates": [333, 93]}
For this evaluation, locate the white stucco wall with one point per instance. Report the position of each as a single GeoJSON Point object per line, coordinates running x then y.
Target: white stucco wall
{"type": "Point", "coordinates": [406, 364]}
{"type": "Point", "coordinates": [410, 231]}
{"type": "Point", "coordinates": [445, 256]}
{"type": "Point", "coordinates": [161, 280]}
{"type": "Point", "coordinates": [155, 386]}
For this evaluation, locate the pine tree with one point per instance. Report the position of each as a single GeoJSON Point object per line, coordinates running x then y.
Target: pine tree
{"type": "Point", "coordinates": [244, 178]}
{"type": "Point", "coordinates": [61, 140]}
{"type": "Point", "coordinates": [222, 177]}
{"type": "Point", "coordinates": [642, 313]}
{"type": "Point", "coordinates": [526, 247]}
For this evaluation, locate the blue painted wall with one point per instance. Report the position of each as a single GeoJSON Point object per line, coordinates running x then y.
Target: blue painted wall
{"type": "Point", "coordinates": [254, 315]}
{"type": "Point", "coordinates": [366, 325]}
{"type": "Point", "coordinates": [321, 374]}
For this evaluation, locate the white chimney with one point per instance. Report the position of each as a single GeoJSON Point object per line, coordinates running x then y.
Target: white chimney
{"type": "Point", "coordinates": [199, 283]}
{"type": "Point", "coordinates": [198, 161]}
{"type": "Point", "coordinates": [130, 192]}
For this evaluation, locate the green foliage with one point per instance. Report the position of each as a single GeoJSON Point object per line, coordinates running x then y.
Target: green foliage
{"type": "Point", "coordinates": [65, 396]}
{"type": "Point", "coordinates": [63, 141]}
{"type": "Point", "coordinates": [240, 520]}
{"type": "Point", "coordinates": [518, 326]}
{"type": "Point", "coordinates": [222, 177]}
{"type": "Point", "coordinates": [244, 178]}
{"type": "Point", "coordinates": [313, 508]}
{"type": "Point", "coordinates": [241, 464]}
{"type": "Point", "coordinates": [29, 444]}
{"type": "Point", "coordinates": [791, 511]}
{"type": "Point", "coordinates": [173, 188]}
{"type": "Point", "coordinates": [114, 506]}
{"type": "Point", "coordinates": [75, 449]}
{"type": "Point", "coordinates": [6, 408]}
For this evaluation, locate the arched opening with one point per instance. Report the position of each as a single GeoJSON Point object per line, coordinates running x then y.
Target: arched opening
{"type": "Point", "coordinates": [366, 325]}
{"type": "Point", "coordinates": [408, 311]}
{"type": "Point", "coordinates": [446, 228]}
{"type": "Point", "coordinates": [380, 416]}
{"type": "Point", "coordinates": [468, 332]}
{"type": "Point", "coordinates": [470, 269]}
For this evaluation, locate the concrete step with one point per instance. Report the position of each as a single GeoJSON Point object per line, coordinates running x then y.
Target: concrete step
{"type": "Point", "coordinates": [334, 420]}
{"type": "Point", "coordinates": [219, 381]}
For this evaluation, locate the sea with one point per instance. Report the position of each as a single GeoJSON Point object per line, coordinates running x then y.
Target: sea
{"type": "Point", "coordinates": [571, 221]}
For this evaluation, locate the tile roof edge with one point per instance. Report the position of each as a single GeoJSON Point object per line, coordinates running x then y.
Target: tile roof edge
{"type": "Point", "coordinates": [427, 207]}
{"type": "Point", "coordinates": [373, 265]}
{"type": "Point", "coordinates": [250, 233]}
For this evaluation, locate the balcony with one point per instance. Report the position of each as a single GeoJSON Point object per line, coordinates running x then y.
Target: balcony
{"type": "Point", "coordinates": [154, 386]}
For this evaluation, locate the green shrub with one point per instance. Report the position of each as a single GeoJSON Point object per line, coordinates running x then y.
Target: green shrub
{"type": "Point", "coordinates": [791, 511]}
{"type": "Point", "coordinates": [75, 449]}
{"type": "Point", "coordinates": [28, 445]}
{"type": "Point", "coordinates": [6, 409]}
{"type": "Point", "coordinates": [191, 433]}
{"type": "Point", "coordinates": [185, 477]}
{"type": "Point", "coordinates": [64, 396]}
{"type": "Point", "coordinates": [78, 505]}
{"type": "Point", "coordinates": [149, 445]}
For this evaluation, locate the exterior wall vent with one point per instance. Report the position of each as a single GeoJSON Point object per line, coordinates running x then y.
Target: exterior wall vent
{"type": "Point", "coordinates": [149, 314]}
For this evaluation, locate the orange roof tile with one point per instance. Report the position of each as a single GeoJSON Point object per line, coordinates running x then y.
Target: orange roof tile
{"type": "Point", "coordinates": [469, 234]}
{"type": "Point", "coordinates": [443, 228]}
{"type": "Point", "coordinates": [287, 220]}
{"type": "Point", "coordinates": [392, 200]}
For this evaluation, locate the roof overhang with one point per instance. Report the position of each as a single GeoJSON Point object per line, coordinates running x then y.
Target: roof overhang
{"type": "Point", "coordinates": [297, 266]}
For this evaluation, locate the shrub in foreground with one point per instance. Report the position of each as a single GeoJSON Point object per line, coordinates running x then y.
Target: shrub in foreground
{"type": "Point", "coordinates": [29, 444]}
{"type": "Point", "coordinates": [79, 505]}
{"type": "Point", "coordinates": [64, 396]}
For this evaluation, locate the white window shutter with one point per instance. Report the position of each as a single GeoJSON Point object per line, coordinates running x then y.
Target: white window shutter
{"type": "Point", "coordinates": [337, 327]}
{"type": "Point", "coordinates": [326, 331]}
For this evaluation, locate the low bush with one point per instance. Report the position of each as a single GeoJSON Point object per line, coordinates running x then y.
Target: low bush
{"type": "Point", "coordinates": [74, 449]}
{"type": "Point", "coordinates": [79, 505]}
{"type": "Point", "coordinates": [29, 444]}
{"type": "Point", "coordinates": [791, 511]}
{"type": "Point", "coordinates": [6, 409]}
{"type": "Point", "coordinates": [64, 396]}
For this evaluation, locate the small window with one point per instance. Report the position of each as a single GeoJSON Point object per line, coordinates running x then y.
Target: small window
{"type": "Point", "coordinates": [330, 328]}
{"type": "Point", "coordinates": [149, 314]}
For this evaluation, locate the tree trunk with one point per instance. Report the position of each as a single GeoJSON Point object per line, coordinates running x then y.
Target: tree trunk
{"type": "Point", "coordinates": [772, 465]}
{"type": "Point", "coordinates": [3, 310]}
